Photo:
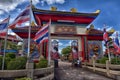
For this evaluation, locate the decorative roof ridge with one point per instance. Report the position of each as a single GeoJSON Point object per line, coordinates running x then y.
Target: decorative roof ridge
{"type": "Point", "coordinates": [66, 12]}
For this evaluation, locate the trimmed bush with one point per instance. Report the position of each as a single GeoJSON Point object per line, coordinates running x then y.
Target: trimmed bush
{"type": "Point", "coordinates": [0, 62]}
{"type": "Point", "coordinates": [18, 63]}
{"type": "Point", "coordinates": [43, 63]}
{"type": "Point", "coordinates": [11, 55]}
{"type": "Point", "coordinates": [7, 60]}
{"type": "Point", "coordinates": [115, 60]}
{"type": "Point", "coordinates": [102, 60]}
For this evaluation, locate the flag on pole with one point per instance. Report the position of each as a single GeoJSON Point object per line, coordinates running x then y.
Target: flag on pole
{"type": "Point", "coordinates": [21, 18]}
{"type": "Point", "coordinates": [105, 36]}
{"type": "Point", "coordinates": [42, 34]}
{"type": "Point", "coordinates": [116, 44]}
{"type": "Point", "coordinates": [3, 26]}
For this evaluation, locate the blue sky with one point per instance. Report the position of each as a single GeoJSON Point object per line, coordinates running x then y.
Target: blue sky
{"type": "Point", "coordinates": [109, 9]}
{"type": "Point", "coordinates": [109, 15]}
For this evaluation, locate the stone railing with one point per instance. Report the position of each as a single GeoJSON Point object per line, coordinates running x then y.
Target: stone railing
{"type": "Point", "coordinates": [34, 74]}
{"type": "Point", "coordinates": [109, 70]}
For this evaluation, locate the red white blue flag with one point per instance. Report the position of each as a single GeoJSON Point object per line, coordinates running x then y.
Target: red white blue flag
{"type": "Point", "coordinates": [42, 34]}
{"type": "Point", "coordinates": [4, 25]}
{"type": "Point", "coordinates": [21, 18]}
{"type": "Point", "coordinates": [116, 44]}
{"type": "Point", "coordinates": [105, 36]}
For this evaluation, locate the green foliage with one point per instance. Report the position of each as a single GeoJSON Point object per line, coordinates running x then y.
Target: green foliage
{"type": "Point", "coordinates": [23, 79]}
{"type": "Point", "coordinates": [7, 60]}
{"type": "Point", "coordinates": [19, 47]}
{"type": "Point", "coordinates": [43, 63]}
{"type": "Point", "coordinates": [66, 51]}
{"type": "Point", "coordinates": [115, 60]}
{"type": "Point", "coordinates": [10, 55]}
{"type": "Point", "coordinates": [102, 60]}
{"type": "Point", "coordinates": [17, 63]}
{"type": "Point", "coordinates": [11, 44]}
{"type": "Point", "coordinates": [0, 62]}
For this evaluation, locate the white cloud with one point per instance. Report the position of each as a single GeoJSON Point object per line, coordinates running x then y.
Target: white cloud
{"type": "Point", "coordinates": [9, 5]}
{"type": "Point", "coordinates": [109, 28]}
{"type": "Point", "coordinates": [1, 12]}
{"type": "Point", "coordinates": [42, 3]}
{"type": "Point", "coordinates": [60, 50]}
{"type": "Point", "coordinates": [49, 2]}
{"type": "Point", "coordinates": [35, 2]}
{"type": "Point", "coordinates": [60, 44]}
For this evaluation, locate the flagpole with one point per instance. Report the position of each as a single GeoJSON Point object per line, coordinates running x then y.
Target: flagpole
{"type": "Point", "coordinates": [49, 43]}
{"type": "Point", "coordinates": [29, 34]}
{"type": "Point", "coordinates": [108, 53]}
{"type": "Point", "coordinates": [109, 57]}
{"type": "Point", "coordinates": [5, 44]}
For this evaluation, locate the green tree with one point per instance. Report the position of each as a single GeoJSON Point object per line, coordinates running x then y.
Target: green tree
{"type": "Point", "coordinates": [66, 51]}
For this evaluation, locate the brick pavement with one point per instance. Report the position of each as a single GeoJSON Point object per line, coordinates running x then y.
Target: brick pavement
{"type": "Point", "coordinates": [66, 72]}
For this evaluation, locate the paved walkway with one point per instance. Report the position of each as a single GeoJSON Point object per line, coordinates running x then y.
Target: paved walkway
{"type": "Point", "coordinates": [66, 72]}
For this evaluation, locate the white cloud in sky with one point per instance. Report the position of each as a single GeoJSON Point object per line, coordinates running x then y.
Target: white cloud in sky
{"type": "Point", "coordinates": [35, 2]}
{"type": "Point", "coordinates": [1, 12]}
{"type": "Point", "coordinates": [60, 44]}
{"type": "Point", "coordinates": [9, 5]}
{"type": "Point", "coordinates": [49, 2]}
{"type": "Point", "coordinates": [109, 28]}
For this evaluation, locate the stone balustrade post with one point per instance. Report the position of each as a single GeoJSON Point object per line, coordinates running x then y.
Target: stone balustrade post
{"type": "Point", "coordinates": [30, 69]}
{"type": "Point", "coordinates": [107, 67]}
{"type": "Point", "coordinates": [93, 63]}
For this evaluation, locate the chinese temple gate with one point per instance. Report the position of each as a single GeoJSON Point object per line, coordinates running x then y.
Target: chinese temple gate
{"type": "Point", "coordinates": [67, 25]}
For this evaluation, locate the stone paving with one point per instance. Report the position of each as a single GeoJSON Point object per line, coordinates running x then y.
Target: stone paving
{"type": "Point", "coordinates": [66, 72]}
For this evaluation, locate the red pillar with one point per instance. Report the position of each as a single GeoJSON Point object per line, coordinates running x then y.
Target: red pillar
{"type": "Point", "coordinates": [83, 48]}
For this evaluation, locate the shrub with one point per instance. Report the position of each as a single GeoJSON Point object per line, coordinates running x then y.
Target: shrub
{"type": "Point", "coordinates": [102, 60]}
{"type": "Point", "coordinates": [43, 63]}
{"type": "Point", "coordinates": [18, 63]}
{"type": "Point", "coordinates": [11, 55]}
{"type": "Point", "coordinates": [7, 60]}
{"type": "Point", "coordinates": [115, 60]}
{"type": "Point", "coordinates": [1, 62]}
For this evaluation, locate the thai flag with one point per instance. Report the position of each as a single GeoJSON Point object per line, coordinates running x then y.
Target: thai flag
{"type": "Point", "coordinates": [21, 18]}
{"type": "Point", "coordinates": [3, 26]}
{"type": "Point", "coordinates": [42, 34]}
{"type": "Point", "coordinates": [105, 36]}
{"type": "Point", "coordinates": [116, 44]}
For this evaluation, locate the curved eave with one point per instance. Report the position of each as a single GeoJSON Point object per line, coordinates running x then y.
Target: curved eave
{"type": "Point", "coordinates": [23, 32]}
{"type": "Point", "coordinates": [76, 17]}
{"type": "Point", "coordinates": [65, 13]}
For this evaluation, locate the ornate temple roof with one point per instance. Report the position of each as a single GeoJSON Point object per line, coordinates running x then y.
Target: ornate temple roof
{"type": "Point", "coordinates": [94, 34]}
{"type": "Point", "coordinates": [11, 38]}
{"type": "Point", "coordinates": [91, 31]}
{"type": "Point", "coordinates": [56, 16]}
{"type": "Point", "coordinates": [65, 16]}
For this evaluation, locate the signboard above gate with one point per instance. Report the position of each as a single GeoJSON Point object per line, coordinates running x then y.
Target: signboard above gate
{"type": "Point", "coordinates": [65, 29]}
